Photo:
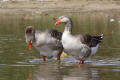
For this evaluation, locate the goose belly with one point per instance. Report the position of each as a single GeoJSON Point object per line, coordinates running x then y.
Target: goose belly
{"type": "Point", "coordinates": [76, 49]}
{"type": "Point", "coordinates": [73, 45]}
{"type": "Point", "coordinates": [81, 51]}
{"type": "Point", "coordinates": [47, 51]}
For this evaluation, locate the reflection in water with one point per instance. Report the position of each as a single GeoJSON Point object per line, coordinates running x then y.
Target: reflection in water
{"type": "Point", "coordinates": [52, 71]}
{"type": "Point", "coordinates": [48, 71]}
{"type": "Point", "coordinates": [84, 73]}
{"type": "Point", "coordinates": [30, 74]}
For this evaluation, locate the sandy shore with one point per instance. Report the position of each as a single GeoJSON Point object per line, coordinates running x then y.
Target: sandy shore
{"type": "Point", "coordinates": [41, 6]}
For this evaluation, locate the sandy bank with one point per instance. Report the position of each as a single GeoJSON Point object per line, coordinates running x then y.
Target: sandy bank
{"type": "Point", "coordinates": [41, 6]}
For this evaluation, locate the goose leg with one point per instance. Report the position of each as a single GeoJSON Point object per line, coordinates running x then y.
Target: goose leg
{"type": "Point", "coordinates": [44, 58]}
{"type": "Point", "coordinates": [80, 61]}
{"type": "Point", "coordinates": [58, 57]}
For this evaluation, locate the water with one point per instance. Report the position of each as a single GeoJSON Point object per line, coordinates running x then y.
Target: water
{"type": "Point", "coordinates": [18, 63]}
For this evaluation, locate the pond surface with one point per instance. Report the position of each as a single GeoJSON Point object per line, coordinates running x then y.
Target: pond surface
{"type": "Point", "coordinates": [18, 63]}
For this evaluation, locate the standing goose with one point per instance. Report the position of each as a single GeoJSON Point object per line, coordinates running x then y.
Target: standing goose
{"type": "Point", "coordinates": [81, 46]}
{"type": "Point", "coordinates": [47, 42]}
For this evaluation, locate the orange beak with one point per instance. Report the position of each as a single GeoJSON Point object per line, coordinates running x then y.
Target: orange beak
{"type": "Point", "coordinates": [30, 46]}
{"type": "Point", "coordinates": [58, 22]}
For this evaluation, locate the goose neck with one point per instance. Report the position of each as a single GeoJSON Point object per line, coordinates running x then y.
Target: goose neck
{"type": "Point", "coordinates": [68, 26]}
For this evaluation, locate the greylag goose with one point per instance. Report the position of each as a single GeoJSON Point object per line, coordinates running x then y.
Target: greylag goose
{"type": "Point", "coordinates": [47, 42]}
{"type": "Point", "coordinates": [81, 46]}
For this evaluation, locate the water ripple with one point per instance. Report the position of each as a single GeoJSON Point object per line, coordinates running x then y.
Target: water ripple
{"type": "Point", "coordinates": [71, 60]}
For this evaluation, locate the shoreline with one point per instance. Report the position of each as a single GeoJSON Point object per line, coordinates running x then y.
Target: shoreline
{"type": "Point", "coordinates": [39, 7]}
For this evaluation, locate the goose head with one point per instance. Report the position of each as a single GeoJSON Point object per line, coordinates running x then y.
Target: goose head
{"type": "Point", "coordinates": [30, 35]}
{"type": "Point", "coordinates": [62, 19]}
